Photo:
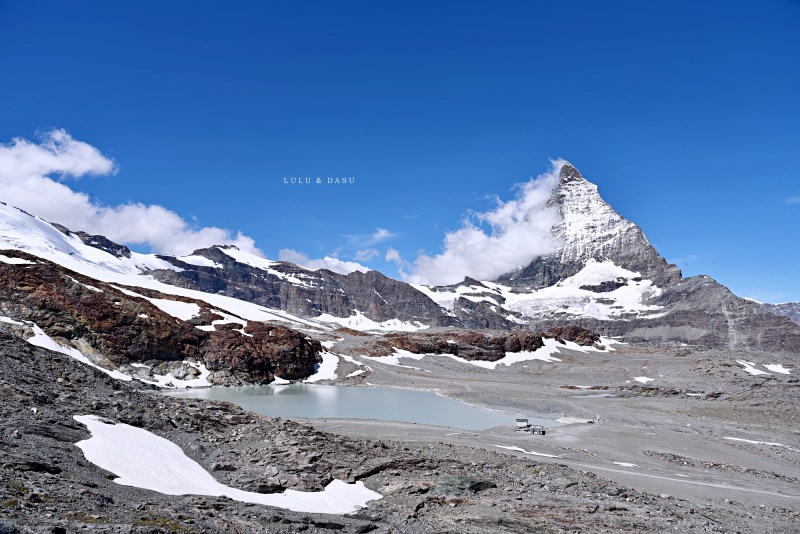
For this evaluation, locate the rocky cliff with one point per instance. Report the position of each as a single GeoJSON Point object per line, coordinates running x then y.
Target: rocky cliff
{"type": "Point", "coordinates": [787, 309]}
{"type": "Point", "coordinates": [285, 286]}
{"type": "Point", "coordinates": [123, 329]}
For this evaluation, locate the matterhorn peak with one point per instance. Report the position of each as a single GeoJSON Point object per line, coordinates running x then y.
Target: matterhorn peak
{"type": "Point", "coordinates": [590, 229]}
{"type": "Point", "coordinates": [569, 173]}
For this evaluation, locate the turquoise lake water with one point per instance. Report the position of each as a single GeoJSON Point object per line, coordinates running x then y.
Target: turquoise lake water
{"type": "Point", "coordinates": [313, 401]}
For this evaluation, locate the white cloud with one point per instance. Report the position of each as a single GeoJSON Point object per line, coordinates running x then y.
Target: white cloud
{"type": "Point", "coordinates": [328, 262]}
{"type": "Point", "coordinates": [497, 241]}
{"type": "Point", "coordinates": [393, 255]}
{"type": "Point", "coordinates": [369, 240]}
{"type": "Point", "coordinates": [793, 200]}
{"type": "Point", "coordinates": [30, 178]}
{"type": "Point", "coordinates": [381, 234]}
{"type": "Point", "coordinates": [366, 254]}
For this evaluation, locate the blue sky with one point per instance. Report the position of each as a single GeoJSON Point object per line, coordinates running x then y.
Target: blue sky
{"type": "Point", "coordinates": [684, 113]}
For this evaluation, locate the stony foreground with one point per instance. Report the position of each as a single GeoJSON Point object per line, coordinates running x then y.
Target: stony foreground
{"type": "Point", "coordinates": [46, 485]}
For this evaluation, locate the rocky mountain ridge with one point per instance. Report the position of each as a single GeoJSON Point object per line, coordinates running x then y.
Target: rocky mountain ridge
{"type": "Point", "coordinates": [303, 292]}
{"type": "Point", "coordinates": [117, 328]}
{"type": "Point", "coordinates": [604, 277]}
{"type": "Point", "coordinates": [787, 309]}
{"type": "Point", "coordinates": [590, 229]}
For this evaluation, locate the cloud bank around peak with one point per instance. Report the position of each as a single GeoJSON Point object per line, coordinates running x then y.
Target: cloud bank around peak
{"type": "Point", "coordinates": [31, 178]}
{"type": "Point", "coordinates": [492, 243]}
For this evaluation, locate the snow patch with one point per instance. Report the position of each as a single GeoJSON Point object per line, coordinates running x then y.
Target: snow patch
{"type": "Point", "coordinates": [394, 359]}
{"type": "Point", "coordinates": [643, 379]}
{"type": "Point", "coordinates": [544, 354]}
{"type": "Point", "coordinates": [180, 310]}
{"type": "Point", "coordinates": [568, 420]}
{"type": "Point", "coordinates": [199, 261]}
{"type": "Point", "coordinates": [325, 370]}
{"type": "Point", "coordinates": [532, 453]}
{"type": "Point", "coordinates": [227, 318]}
{"type": "Point", "coordinates": [87, 286]}
{"type": "Point", "coordinates": [15, 261]}
{"type": "Point", "coordinates": [360, 322]}
{"type": "Point", "coordinates": [169, 381]}
{"type": "Point", "coordinates": [749, 367]}
{"type": "Point", "coordinates": [770, 443]}
{"type": "Point", "coordinates": [40, 339]}
{"type": "Point", "coordinates": [266, 265]}
{"type": "Point", "coordinates": [777, 368]}
{"type": "Point", "coordinates": [144, 460]}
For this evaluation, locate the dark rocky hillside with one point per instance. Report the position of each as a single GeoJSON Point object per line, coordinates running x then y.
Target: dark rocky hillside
{"type": "Point", "coordinates": [114, 328]}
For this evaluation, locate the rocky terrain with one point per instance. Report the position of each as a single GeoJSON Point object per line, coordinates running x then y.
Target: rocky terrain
{"type": "Point", "coordinates": [117, 327]}
{"type": "Point", "coordinates": [484, 345]}
{"type": "Point", "coordinates": [695, 397]}
{"type": "Point", "coordinates": [46, 485]}
{"type": "Point", "coordinates": [788, 309]}
{"type": "Point", "coordinates": [286, 286]}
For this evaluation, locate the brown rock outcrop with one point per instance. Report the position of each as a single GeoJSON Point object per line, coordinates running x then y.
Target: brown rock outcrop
{"type": "Point", "coordinates": [117, 326]}
{"type": "Point", "coordinates": [485, 345]}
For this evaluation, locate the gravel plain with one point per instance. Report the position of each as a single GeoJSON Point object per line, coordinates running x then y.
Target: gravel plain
{"type": "Point", "coordinates": [675, 469]}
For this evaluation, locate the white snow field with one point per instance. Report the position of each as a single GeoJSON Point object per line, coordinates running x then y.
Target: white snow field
{"type": "Point", "coordinates": [359, 321]}
{"type": "Point", "coordinates": [628, 300]}
{"type": "Point", "coordinates": [144, 460]}
{"type": "Point", "coordinates": [24, 232]}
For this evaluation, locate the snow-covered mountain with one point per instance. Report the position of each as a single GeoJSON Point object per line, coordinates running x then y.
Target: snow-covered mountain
{"type": "Point", "coordinates": [604, 276]}
{"type": "Point", "coordinates": [590, 229]}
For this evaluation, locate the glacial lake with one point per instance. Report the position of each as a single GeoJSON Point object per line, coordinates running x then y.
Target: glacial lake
{"type": "Point", "coordinates": [314, 401]}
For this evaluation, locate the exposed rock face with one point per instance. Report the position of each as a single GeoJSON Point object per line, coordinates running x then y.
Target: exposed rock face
{"type": "Point", "coordinates": [485, 345]}
{"type": "Point", "coordinates": [787, 309]}
{"type": "Point", "coordinates": [697, 311]}
{"type": "Point", "coordinates": [581, 336]}
{"type": "Point", "coordinates": [114, 328]}
{"type": "Point", "coordinates": [307, 293]}
{"type": "Point", "coordinates": [98, 241]}
{"type": "Point", "coordinates": [590, 229]}
{"type": "Point", "coordinates": [700, 304]}
{"type": "Point", "coordinates": [605, 277]}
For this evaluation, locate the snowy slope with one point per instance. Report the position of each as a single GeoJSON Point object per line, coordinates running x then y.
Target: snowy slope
{"type": "Point", "coordinates": [22, 231]}
{"type": "Point", "coordinates": [601, 290]}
